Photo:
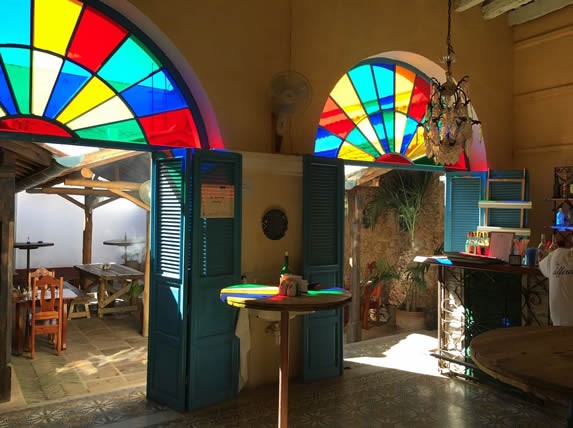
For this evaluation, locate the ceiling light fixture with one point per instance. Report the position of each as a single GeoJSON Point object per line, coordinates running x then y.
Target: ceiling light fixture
{"type": "Point", "coordinates": [448, 121]}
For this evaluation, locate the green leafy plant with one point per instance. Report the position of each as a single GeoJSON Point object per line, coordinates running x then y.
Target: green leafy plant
{"type": "Point", "coordinates": [415, 285]}
{"type": "Point", "coordinates": [136, 289]}
{"type": "Point", "coordinates": [403, 193]}
{"type": "Point", "coordinates": [378, 271]}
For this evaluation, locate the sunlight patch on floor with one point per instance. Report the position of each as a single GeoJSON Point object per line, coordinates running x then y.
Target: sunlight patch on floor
{"type": "Point", "coordinates": [411, 354]}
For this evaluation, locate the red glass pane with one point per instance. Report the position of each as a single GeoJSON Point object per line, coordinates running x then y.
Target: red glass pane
{"type": "Point", "coordinates": [393, 158]}
{"type": "Point", "coordinates": [173, 129]}
{"type": "Point", "coordinates": [95, 38]}
{"type": "Point", "coordinates": [420, 98]}
{"type": "Point", "coordinates": [335, 120]}
{"type": "Point", "coordinates": [30, 125]}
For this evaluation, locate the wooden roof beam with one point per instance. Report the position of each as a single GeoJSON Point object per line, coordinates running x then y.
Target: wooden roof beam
{"type": "Point", "coordinates": [494, 8]}
{"type": "Point", "coordinates": [536, 10]}
{"type": "Point", "coordinates": [117, 185]}
{"type": "Point", "coordinates": [463, 5]}
{"type": "Point", "coordinates": [29, 151]}
{"type": "Point", "coordinates": [72, 191]}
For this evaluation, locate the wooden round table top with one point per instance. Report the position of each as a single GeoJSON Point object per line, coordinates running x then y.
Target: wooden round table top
{"type": "Point", "coordinates": [533, 359]}
{"type": "Point", "coordinates": [265, 297]}
{"type": "Point", "coordinates": [32, 245]}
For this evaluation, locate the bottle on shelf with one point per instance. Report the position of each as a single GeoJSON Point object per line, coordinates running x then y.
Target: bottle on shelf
{"type": "Point", "coordinates": [541, 249]}
{"type": "Point", "coordinates": [470, 243]}
{"type": "Point", "coordinates": [553, 245]}
{"type": "Point", "coordinates": [285, 268]}
{"type": "Point", "coordinates": [560, 217]}
{"type": "Point", "coordinates": [556, 186]}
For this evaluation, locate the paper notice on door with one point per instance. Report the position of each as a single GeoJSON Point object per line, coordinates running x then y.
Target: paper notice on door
{"type": "Point", "coordinates": [217, 201]}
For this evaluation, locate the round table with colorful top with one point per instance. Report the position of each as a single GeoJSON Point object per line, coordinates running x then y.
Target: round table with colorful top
{"type": "Point", "coordinates": [266, 298]}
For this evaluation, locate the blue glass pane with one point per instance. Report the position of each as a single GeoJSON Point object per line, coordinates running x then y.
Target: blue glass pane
{"type": "Point", "coordinates": [410, 131]}
{"type": "Point", "coordinates": [15, 22]}
{"type": "Point", "coordinates": [128, 65]}
{"type": "Point", "coordinates": [327, 144]}
{"type": "Point", "coordinates": [376, 121]}
{"type": "Point", "coordinates": [384, 75]}
{"type": "Point", "coordinates": [5, 95]}
{"type": "Point", "coordinates": [157, 94]}
{"type": "Point", "coordinates": [71, 79]}
{"type": "Point", "coordinates": [363, 82]}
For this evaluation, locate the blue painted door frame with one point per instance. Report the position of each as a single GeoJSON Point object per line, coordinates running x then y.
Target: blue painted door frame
{"type": "Point", "coordinates": [323, 251]}
{"type": "Point", "coordinates": [195, 251]}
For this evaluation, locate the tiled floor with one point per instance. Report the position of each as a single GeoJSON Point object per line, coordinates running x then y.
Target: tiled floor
{"type": "Point", "coordinates": [387, 382]}
{"type": "Point", "coordinates": [102, 355]}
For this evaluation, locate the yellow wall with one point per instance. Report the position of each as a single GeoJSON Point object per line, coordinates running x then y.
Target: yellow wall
{"type": "Point", "coordinates": [236, 47]}
{"type": "Point", "coordinates": [542, 125]}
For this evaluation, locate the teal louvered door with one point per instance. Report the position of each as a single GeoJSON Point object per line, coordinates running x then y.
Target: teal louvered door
{"type": "Point", "coordinates": [168, 317]}
{"type": "Point", "coordinates": [462, 215]}
{"type": "Point", "coordinates": [323, 248]}
{"type": "Point", "coordinates": [216, 259]}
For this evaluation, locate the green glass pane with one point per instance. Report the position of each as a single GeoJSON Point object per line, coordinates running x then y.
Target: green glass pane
{"type": "Point", "coordinates": [363, 82]}
{"type": "Point", "coordinates": [356, 138]}
{"type": "Point", "coordinates": [131, 63]}
{"type": "Point", "coordinates": [126, 131]}
{"type": "Point", "coordinates": [17, 62]}
{"type": "Point", "coordinates": [388, 118]}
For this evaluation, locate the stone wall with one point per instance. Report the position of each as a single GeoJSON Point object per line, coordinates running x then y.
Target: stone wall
{"type": "Point", "coordinates": [386, 240]}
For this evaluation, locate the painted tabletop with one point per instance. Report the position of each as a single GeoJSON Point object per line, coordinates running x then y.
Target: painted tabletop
{"type": "Point", "coordinates": [265, 297]}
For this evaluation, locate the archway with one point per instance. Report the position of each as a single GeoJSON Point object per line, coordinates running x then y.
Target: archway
{"type": "Point", "coordinates": [90, 77]}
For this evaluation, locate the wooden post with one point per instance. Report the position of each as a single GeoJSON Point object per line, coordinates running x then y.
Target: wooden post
{"type": "Point", "coordinates": [354, 333]}
{"type": "Point", "coordinates": [146, 282]}
{"type": "Point", "coordinates": [88, 231]}
{"type": "Point", "coordinates": [7, 186]}
{"type": "Point", "coordinates": [283, 372]}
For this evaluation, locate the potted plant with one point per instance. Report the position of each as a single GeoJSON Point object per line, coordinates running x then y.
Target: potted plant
{"type": "Point", "coordinates": [377, 283]}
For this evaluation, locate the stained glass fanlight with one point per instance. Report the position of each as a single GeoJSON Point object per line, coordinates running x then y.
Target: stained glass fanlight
{"type": "Point", "coordinates": [69, 70]}
{"type": "Point", "coordinates": [373, 115]}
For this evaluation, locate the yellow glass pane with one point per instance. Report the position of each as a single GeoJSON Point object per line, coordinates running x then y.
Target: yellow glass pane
{"type": "Point", "coordinates": [44, 75]}
{"type": "Point", "coordinates": [404, 86]}
{"type": "Point", "coordinates": [48, 12]}
{"type": "Point", "coordinates": [345, 96]}
{"type": "Point", "coordinates": [113, 110]}
{"type": "Point", "coordinates": [417, 147]}
{"type": "Point", "coordinates": [2, 112]}
{"type": "Point", "coordinates": [350, 152]}
{"type": "Point", "coordinates": [399, 126]}
{"type": "Point", "coordinates": [92, 95]}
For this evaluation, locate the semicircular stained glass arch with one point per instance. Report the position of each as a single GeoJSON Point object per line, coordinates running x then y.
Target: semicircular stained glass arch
{"type": "Point", "coordinates": [373, 113]}
{"type": "Point", "coordinates": [69, 70]}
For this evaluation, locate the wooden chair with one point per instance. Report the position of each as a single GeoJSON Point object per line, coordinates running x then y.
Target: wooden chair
{"type": "Point", "coordinates": [39, 273]}
{"type": "Point", "coordinates": [47, 311]}
{"type": "Point", "coordinates": [372, 299]}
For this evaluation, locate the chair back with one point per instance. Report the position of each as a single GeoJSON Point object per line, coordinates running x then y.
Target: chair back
{"type": "Point", "coordinates": [47, 297]}
{"type": "Point", "coordinates": [47, 311]}
{"type": "Point", "coordinates": [39, 273]}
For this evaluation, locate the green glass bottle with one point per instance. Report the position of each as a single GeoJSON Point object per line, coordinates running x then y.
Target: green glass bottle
{"type": "Point", "coordinates": [285, 268]}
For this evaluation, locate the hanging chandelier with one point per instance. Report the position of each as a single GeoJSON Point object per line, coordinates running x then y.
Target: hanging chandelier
{"type": "Point", "coordinates": [448, 120]}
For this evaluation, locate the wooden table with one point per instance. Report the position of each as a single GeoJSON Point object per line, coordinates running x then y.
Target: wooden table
{"type": "Point", "coordinates": [106, 295]}
{"type": "Point", "coordinates": [265, 298]}
{"type": "Point", "coordinates": [30, 246]}
{"type": "Point", "coordinates": [533, 359]}
{"type": "Point", "coordinates": [23, 306]}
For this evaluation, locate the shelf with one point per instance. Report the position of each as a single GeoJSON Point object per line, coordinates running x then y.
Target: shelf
{"type": "Point", "coordinates": [505, 204]}
{"type": "Point", "coordinates": [561, 228]}
{"type": "Point", "coordinates": [516, 230]}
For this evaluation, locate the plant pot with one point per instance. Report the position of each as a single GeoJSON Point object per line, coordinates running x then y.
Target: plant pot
{"type": "Point", "coordinates": [410, 320]}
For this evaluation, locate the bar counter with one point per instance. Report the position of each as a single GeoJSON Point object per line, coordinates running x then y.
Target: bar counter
{"type": "Point", "coordinates": [476, 296]}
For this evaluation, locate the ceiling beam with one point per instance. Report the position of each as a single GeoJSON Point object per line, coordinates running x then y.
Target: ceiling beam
{"type": "Point", "coordinates": [462, 5]}
{"type": "Point", "coordinates": [117, 185]}
{"type": "Point", "coordinates": [494, 8]}
{"type": "Point", "coordinates": [535, 10]}
{"type": "Point", "coordinates": [71, 191]}
{"type": "Point", "coordinates": [132, 199]}
{"type": "Point", "coordinates": [32, 152]}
